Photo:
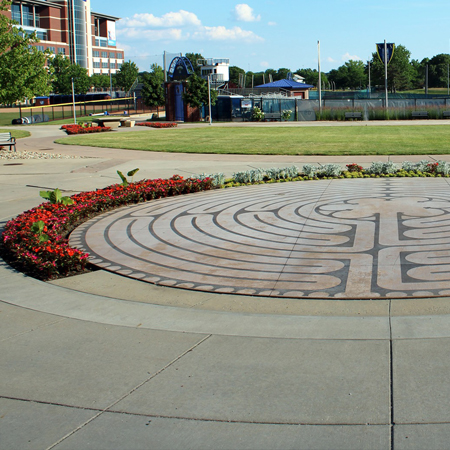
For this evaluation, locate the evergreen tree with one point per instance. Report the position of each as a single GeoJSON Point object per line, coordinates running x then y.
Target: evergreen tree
{"type": "Point", "coordinates": [153, 86]}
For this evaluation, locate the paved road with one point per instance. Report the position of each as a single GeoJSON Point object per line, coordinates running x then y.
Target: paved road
{"type": "Point", "coordinates": [100, 361]}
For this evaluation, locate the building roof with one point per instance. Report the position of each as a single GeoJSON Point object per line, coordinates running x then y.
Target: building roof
{"type": "Point", "coordinates": [104, 16]}
{"type": "Point", "coordinates": [286, 84]}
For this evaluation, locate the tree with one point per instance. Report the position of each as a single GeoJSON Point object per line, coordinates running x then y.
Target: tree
{"type": "Point", "coordinates": [282, 73]}
{"type": "Point", "coordinates": [153, 86]}
{"type": "Point", "coordinates": [438, 70]}
{"type": "Point", "coordinates": [127, 75]}
{"type": "Point", "coordinates": [400, 71]}
{"type": "Point", "coordinates": [63, 72]}
{"type": "Point", "coordinates": [311, 76]}
{"type": "Point", "coordinates": [234, 72]}
{"type": "Point", "coordinates": [196, 93]}
{"type": "Point", "coordinates": [100, 81]}
{"type": "Point", "coordinates": [193, 58]}
{"type": "Point", "coordinates": [22, 66]}
{"type": "Point", "coordinates": [350, 75]}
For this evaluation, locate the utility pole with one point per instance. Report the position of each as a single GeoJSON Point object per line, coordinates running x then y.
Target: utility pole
{"type": "Point", "coordinates": [73, 103]}
{"type": "Point", "coordinates": [319, 85]}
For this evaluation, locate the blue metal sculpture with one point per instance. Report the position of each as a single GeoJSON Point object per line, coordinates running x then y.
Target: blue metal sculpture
{"type": "Point", "coordinates": [180, 68]}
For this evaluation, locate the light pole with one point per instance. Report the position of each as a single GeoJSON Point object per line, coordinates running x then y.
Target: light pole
{"type": "Point", "coordinates": [73, 102]}
{"type": "Point", "coordinates": [209, 100]}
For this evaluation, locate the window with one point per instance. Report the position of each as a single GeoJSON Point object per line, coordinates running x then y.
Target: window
{"type": "Point", "coordinates": [101, 42]}
{"type": "Point", "coordinates": [96, 54]}
{"type": "Point", "coordinates": [15, 12]}
{"type": "Point", "coordinates": [112, 65]}
{"type": "Point", "coordinates": [119, 65]}
{"type": "Point", "coordinates": [61, 50]}
{"type": "Point", "coordinates": [119, 56]}
{"type": "Point", "coordinates": [52, 49]}
{"type": "Point", "coordinates": [27, 16]}
{"type": "Point", "coordinates": [96, 64]}
{"type": "Point", "coordinates": [104, 65]}
{"type": "Point", "coordinates": [104, 54]}
{"type": "Point", "coordinates": [40, 48]}
{"type": "Point", "coordinates": [42, 35]}
{"type": "Point", "coordinates": [112, 55]}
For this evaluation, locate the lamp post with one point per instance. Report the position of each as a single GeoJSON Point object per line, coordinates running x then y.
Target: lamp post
{"type": "Point", "coordinates": [209, 99]}
{"type": "Point", "coordinates": [73, 103]}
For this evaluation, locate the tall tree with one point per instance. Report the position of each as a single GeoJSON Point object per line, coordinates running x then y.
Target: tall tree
{"type": "Point", "coordinates": [196, 93]}
{"type": "Point", "coordinates": [153, 86]}
{"type": "Point", "coordinates": [63, 73]}
{"type": "Point", "coordinates": [22, 66]}
{"type": "Point", "coordinates": [438, 70]}
{"type": "Point", "coordinates": [194, 58]}
{"type": "Point", "coordinates": [234, 72]}
{"type": "Point", "coordinates": [400, 71]}
{"type": "Point", "coordinates": [127, 75]}
{"type": "Point", "coordinates": [311, 76]}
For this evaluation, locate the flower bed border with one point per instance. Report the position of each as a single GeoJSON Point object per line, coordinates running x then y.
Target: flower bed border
{"type": "Point", "coordinates": [46, 254]}
{"type": "Point", "coordinates": [79, 129]}
{"type": "Point", "coordinates": [158, 124]}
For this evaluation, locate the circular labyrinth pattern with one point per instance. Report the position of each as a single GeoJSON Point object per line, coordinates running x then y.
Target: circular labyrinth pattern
{"type": "Point", "coordinates": [376, 238]}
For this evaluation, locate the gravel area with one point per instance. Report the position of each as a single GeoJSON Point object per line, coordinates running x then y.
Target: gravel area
{"type": "Point", "coordinates": [11, 154]}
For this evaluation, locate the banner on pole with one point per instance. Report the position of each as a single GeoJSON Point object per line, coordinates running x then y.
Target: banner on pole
{"type": "Point", "coordinates": [389, 50]}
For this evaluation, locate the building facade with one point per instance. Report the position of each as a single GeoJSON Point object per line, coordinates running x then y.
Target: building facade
{"type": "Point", "coordinates": [70, 28]}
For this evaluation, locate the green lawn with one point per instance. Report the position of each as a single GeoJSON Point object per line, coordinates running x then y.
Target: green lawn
{"type": "Point", "coordinates": [373, 140]}
{"type": "Point", "coordinates": [15, 132]}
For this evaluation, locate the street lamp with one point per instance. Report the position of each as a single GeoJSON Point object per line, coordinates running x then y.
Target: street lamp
{"type": "Point", "coordinates": [209, 99]}
{"type": "Point", "coordinates": [73, 102]}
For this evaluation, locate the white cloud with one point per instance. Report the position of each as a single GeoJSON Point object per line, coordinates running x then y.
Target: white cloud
{"type": "Point", "coordinates": [172, 19]}
{"type": "Point", "coordinates": [264, 64]}
{"type": "Point", "coordinates": [244, 13]}
{"type": "Point", "coordinates": [221, 33]}
{"type": "Point", "coordinates": [178, 26]}
{"type": "Point", "coordinates": [348, 57]}
{"type": "Point", "coordinates": [172, 34]}
{"type": "Point", "coordinates": [331, 60]}
{"type": "Point", "coordinates": [272, 24]}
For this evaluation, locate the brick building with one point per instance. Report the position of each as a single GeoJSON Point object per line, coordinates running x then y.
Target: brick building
{"type": "Point", "coordinates": [69, 27]}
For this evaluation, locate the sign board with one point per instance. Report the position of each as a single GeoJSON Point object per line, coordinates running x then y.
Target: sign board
{"type": "Point", "coordinates": [111, 29]}
{"type": "Point", "coordinates": [246, 103]}
{"type": "Point", "coordinates": [389, 50]}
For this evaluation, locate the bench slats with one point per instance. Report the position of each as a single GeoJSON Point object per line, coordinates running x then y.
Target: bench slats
{"type": "Point", "coordinates": [7, 140]}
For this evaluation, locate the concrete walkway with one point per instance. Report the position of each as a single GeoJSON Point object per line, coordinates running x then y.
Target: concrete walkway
{"type": "Point", "coordinates": [100, 361]}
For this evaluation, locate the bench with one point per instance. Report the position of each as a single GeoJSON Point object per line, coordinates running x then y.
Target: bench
{"type": "Point", "coordinates": [446, 114]}
{"type": "Point", "coordinates": [272, 116]}
{"type": "Point", "coordinates": [7, 140]}
{"type": "Point", "coordinates": [419, 115]}
{"type": "Point", "coordinates": [353, 115]}
{"type": "Point", "coordinates": [113, 122]}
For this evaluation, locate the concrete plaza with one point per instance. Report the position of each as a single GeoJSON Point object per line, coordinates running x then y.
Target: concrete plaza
{"type": "Point", "coordinates": [101, 361]}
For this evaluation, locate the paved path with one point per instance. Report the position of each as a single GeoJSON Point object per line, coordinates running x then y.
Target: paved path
{"type": "Point", "coordinates": [101, 361]}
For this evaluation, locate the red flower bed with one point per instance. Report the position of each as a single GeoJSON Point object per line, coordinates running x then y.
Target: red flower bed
{"type": "Point", "coordinates": [78, 129]}
{"type": "Point", "coordinates": [157, 124]}
{"type": "Point", "coordinates": [53, 258]}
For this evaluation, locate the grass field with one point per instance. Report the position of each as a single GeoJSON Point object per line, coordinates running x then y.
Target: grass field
{"type": "Point", "coordinates": [16, 133]}
{"type": "Point", "coordinates": [373, 140]}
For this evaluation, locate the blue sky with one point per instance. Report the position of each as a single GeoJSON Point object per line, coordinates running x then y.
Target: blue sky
{"type": "Point", "coordinates": [256, 35]}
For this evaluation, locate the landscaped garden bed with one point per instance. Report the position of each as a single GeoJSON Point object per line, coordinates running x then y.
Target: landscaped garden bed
{"type": "Point", "coordinates": [36, 242]}
{"type": "Point", "coordinates": [157, 124]}
{"type": "Point", "coordinates": [81, 129]}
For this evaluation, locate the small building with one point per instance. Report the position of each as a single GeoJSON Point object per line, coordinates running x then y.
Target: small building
{"type": "Point", "coordinates": [290, 87]}
{"type": "Point", "coordinates": [217, 69]}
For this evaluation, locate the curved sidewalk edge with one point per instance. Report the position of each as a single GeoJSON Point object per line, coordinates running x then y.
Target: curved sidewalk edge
{"type": "Point", "coordinates": [27, 292]}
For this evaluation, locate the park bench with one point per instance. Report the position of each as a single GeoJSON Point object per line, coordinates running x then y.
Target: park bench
{"type": "Point", "coordinates": [446, 114]}
{"type": "Point", "coordinates": [7, 140]}
{"type": "Point", "coordinates": [419, 114]}
{"type": "Point", "coordinates": [272, 116]}
{"type": "Point", "coordinates": [353, 115]}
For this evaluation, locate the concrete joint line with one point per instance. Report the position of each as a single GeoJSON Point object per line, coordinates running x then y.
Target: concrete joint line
{"type": "Point", "coordinates": [130, 392]}
{"type": "Point", "coordinates": [34, 329]}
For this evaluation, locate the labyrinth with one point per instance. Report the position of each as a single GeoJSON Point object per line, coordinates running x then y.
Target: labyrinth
{"type": "Point", "coordinates": [343, 239]}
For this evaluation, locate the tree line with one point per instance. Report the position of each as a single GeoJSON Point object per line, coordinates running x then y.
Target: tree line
{"type": "Point", "coordinates": [404, 73]}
